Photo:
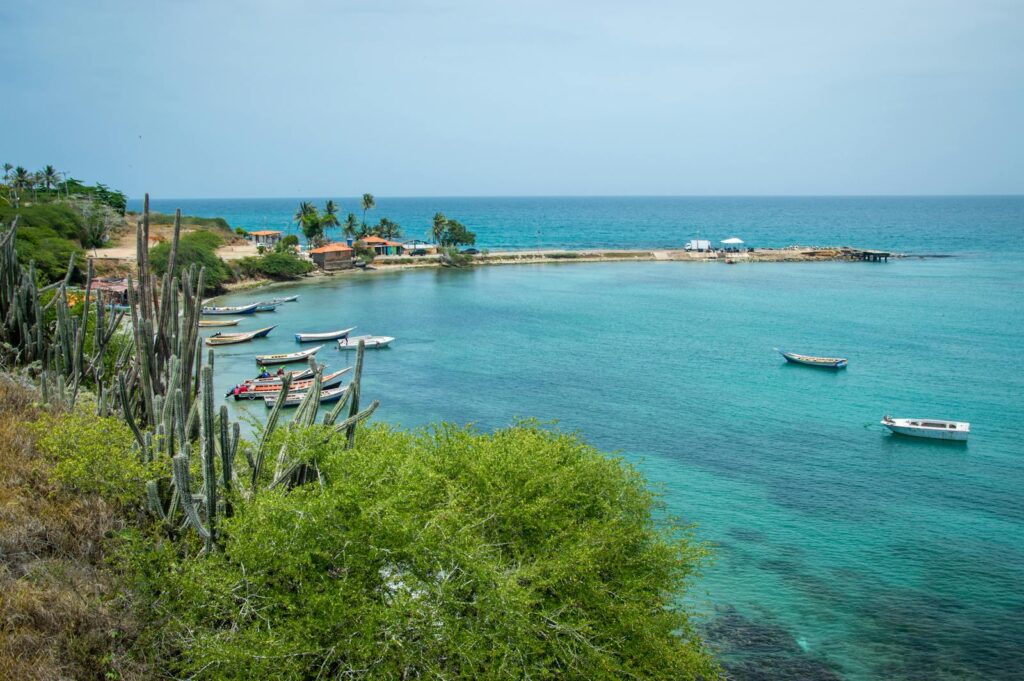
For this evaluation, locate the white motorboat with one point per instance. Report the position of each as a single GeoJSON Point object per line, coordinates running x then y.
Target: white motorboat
{"type": "Point", "coordinates": [285, 299]}
{"type": "Point", "coordinates": [935, 429]}
{"type": "Point", "coordinates": [325, 336]}
{"type": "Point", "coordinates": [286, 358]}
{"type": "Point", "coordinates": [352, 342]}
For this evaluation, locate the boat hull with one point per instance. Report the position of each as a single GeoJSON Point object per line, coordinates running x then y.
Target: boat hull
{"type": "Point", "coordinates": [810, 361]}
{"type": "Point", "coordinates": [329, 335]}
{"type": "Point", "coordinates": [930, 429]}
{"type": "Point", "coordinates": [218, 322]}
{"type": "Point", "coordinates": [265, 360]}
{"type": "Point", "coordinates": [372, 342]}
{"type": "Point", "coordinates": [254, 391]}
{"type": "Point", "coordinates": [294, 399]}
{"type": "Point", "coordinates": [247, 309]}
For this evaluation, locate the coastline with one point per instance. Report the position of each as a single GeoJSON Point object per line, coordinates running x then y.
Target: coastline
{"type": "Point", "coordinates": [791, 254]}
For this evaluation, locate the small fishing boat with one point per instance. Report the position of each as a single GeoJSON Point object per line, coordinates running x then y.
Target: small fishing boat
{"type": "Point", "coordinates": [812, 361]}
{"type": "Point", "coordinates": [325, 336]}
{"type": "Point", "coordinates": [352, 342]}
{"type": "Point", "coordinates": [300, 375]}
{"type": "Point", "coordinates": [219, 322]}
{"type": "Point", "coordinates": [287, 357]}
{"type": "Point", "coordinates": [934, 429]}
{"type": "Point", "coordinates": [244, 309]}
{"type": "Point", "coordinates": [252, 391]}
{"type": "Point", "coordinates": [231, 338]}
{"type": "Point", "coordinates": [285, 299]}
{"type": "Point", "coordinates": [294, 399]}
{"type": "Point", "coordinates": [266, 307]}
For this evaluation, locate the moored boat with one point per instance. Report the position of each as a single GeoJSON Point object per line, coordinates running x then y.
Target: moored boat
{"type": "Point", "coordinates": [219, 322]}
{"type": "Point", "coordinates": [244, 309]}
{"type": "Point", "coordinates": [285, 299]}
{"type": "Point", "coordinates": [299, 375]}
{"type": "Point", "coordinates": [352, 342]}
{"type": "Point", "coordinates": [232, 338]}
{"type": "Point", "coordinates": [266, 307]}
{"type": "Point", "coordinates": [287, 357]}
{"type": "Point", "coordinates": [252, 391]}
{"type": "Point", "coordinates": [294, 399]}
{"type": "Point", "coordinates": [814, 361]}
{"type": "Point", "coordinates": [935, 429]}
{"type": "Point", "coordinates": [325, 336]}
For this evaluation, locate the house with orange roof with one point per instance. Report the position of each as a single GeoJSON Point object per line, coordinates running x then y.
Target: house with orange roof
{"type": "Point", "coordinates": [382, 246]}
{"type": "Point", "coordinates": [333, 257]}
{"type": "Point", "coordinates": [266, 237]}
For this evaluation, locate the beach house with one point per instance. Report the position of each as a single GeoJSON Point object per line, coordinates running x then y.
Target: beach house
{"type": "Point", "coordinates": [382, 246]}
{"type": "Point", "coordinates": [266, 237]}
{"type": "Point", "coordinates": [333, 257]}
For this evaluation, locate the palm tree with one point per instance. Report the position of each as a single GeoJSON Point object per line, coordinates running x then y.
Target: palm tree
{"type": "Point", "coordinates": [351, 226]}
{"type": "Point", "coordinates": [330, 218]}
{"type": "Point", "coordinates": [440, 224]}
{"type": "Point", "coordinates": [388, 229]}
{"type": "Point", "coordinates": [51, 178]}
{"type": "Point", "coordinates": [305, 209]}
{"type": "Point", "coordinates": [368, 203]}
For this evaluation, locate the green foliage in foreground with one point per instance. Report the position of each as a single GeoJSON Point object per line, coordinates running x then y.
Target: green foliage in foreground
{"type": "Point", "coordinates": [279, 265]}
{"type": "Point", "coordinates": [195, 248]}
{"type": "Point", "coordinates": [93, 455]}
{"type": "Point", "coordinates": [522, 554]}
{"type": "Point", "coordinates": [48, 234]}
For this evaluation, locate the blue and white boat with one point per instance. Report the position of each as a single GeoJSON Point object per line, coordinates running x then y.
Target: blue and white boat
{"type": "Point", "coordinates": [244, 309]}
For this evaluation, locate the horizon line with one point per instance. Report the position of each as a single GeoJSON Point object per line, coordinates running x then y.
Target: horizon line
{"type": "Point", "coordinates": [582, 196]}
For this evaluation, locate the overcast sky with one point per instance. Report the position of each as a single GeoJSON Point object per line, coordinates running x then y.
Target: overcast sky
{"type": "Point", "coordinates": [315, 98]}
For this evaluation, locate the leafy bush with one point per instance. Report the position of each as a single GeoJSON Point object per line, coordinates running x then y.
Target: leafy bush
{"type": "Point", "coordinates": [194, 248]}
{"type": "Point", "coordinates": [48, 234]}
{"type": "Point", "coordinates": [93, 455]}
{"type": "Point", "coordinates": [522, 554]}
{"type": "Point", "coordinates": [274, 265]}
{"type": "Point", "coordinates": [168, 219]}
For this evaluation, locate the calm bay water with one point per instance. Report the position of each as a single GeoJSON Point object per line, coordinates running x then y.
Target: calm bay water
{"type": "Point", "coordinates": [841, 551]}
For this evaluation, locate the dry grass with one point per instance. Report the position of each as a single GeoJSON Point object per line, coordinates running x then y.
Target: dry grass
{"type": "Point", "coordinates": [61, 613]}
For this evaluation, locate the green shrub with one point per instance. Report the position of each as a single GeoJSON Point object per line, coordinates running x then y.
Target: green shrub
{"type": "Point", "coordinates": [48, 234]}
{"type": "Point", "coordinates": [93, 455]}
{"type": "Point", "coordinates": [451, 554]}
{"type": "Point", "coordinates": [274, 265]}
{"type": "Point", "coordinates": [168, 219]}
{"type": "Point", "coordinates": [195, 248]}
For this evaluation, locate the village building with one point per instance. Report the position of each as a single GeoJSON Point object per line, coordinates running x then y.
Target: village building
{"type": "Point", "coordinates": [333, 257]}
{"type": "Point", "coordinates": [382, 246]}
{"type": "Point", "coordinates": [266, 237]}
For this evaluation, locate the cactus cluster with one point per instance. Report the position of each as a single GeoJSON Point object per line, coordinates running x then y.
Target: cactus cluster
{"type": "Point", "coordinates": [157, 382]}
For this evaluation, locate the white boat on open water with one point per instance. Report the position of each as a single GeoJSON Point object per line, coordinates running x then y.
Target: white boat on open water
{"type": "Point", "coordinates": [352, 342]}
{"type": "Point", "coordinates": [814, 361]}
{"type": "Point", "coordinates": [935, 429]}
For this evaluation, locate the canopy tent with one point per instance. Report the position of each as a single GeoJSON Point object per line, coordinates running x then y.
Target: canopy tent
{"type": "Point", "coordinates": [732, 241]}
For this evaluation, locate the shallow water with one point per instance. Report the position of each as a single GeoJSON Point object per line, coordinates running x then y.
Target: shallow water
{"type": "Point", "coordinates": [842, 551]}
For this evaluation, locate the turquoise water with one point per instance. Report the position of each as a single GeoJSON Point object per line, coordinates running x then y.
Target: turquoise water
{"type": "Point", "coordinates": [841, 551]}
{"type": "Point", "coordinates": [913, 224]}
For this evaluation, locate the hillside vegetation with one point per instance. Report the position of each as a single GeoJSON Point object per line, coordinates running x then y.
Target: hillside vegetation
{"type": "Point", "coordinates": [143, 537]}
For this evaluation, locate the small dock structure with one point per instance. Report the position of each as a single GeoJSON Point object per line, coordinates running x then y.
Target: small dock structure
{"type": "Point", "coordinates": [872, 256]}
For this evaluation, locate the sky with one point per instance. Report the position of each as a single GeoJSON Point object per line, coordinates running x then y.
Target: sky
{"type": "Point", "coordinates": [205, 98]}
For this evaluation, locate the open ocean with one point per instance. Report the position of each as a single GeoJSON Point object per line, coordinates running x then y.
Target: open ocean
{"type": "Point", "coordinates": [841, 551]}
